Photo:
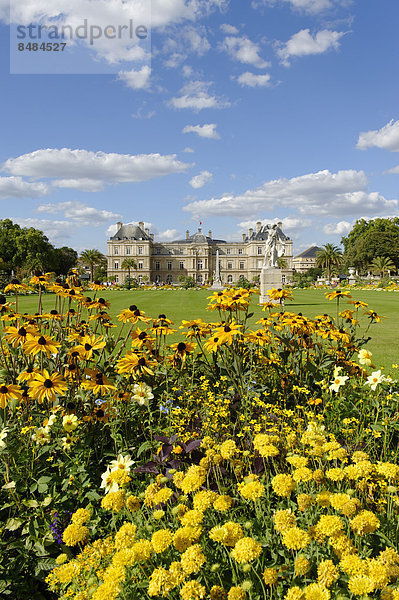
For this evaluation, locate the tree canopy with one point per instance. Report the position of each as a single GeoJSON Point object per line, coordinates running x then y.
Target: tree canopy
{"type": "Point", "coordinates": [28, 249]}
{"type": "Point", "coordinates": [372, 239]}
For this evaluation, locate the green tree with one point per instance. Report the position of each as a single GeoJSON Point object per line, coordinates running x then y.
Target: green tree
{"type": "Point", "coordinates": [328, 258]}
{"type": "Point", "coordinates": [92, 258]}
{"type": "Point", "coordinates": [372, 239]}
{"type": "Point", "coordinates": [65, 259]}
{"type": "Point", "coordinates": [382, 265]}
{"type": "Point", "coordinates": [129, 264]}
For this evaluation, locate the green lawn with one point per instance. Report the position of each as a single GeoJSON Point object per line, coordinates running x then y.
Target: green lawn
{"type": "Point", "coordinates": [190, 304]}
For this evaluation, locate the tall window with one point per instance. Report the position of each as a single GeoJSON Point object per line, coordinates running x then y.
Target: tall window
{"type": "Point", "coordinates": [140, 264]}
{"type": "Point", "coordinates": [116, 249]}
{"type": "Point", "coordinates": [199, 265]}
{"type": "Point", "coordinates": [260, 250]}
{"type": "Point", "coordinates": [128, 249]}
{"type": "Point", "coordinates": [169, 265]}
{"type": "Point", "coordinates": [169, 279]}
{"type": "Point", "coordinates": [200, 278]}
{"type": "Point", "coordinates": [229, 278]}
{"type": "Point", "coordinates": [181, 265]}
{"type": "Point", "coordinates": [158, 250]}
{"type": "Point", "coordinates": [140, 249]}
{"type": "Point", "coordinates": [241, 265]}
{"type": "Point", "coordinates": [228, 251]}
{"type": "Point", "coordinates": [157, 265]}
{"type": "Point", "coordinates": [240, 250]}
{"type": "Point", "coordinates": [140, 279]}
{"type": "Point", "coordinates": [116, 278]}
{"type": "Point", "coordinates": [116, 264]}
{"type": "Point", "coordinates": [229, 265]}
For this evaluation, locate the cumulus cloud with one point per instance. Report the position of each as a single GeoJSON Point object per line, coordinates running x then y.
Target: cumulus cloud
{"type": "Point", "coordinates": [289, 223]}
{"type": "Point", "coordinates": [244, 51]}
{"type": "Point", "coordinates": [169, 235]}
{"type": "Point", "coordinates": [79, 213]}
{"type": "Point", "coordinates": [136, 80]}
{"type": "Point", "coordinates": [200, 180]}
{"type": "Point", "coordinates": [229, 29]}
{"type": "Point", "coordinates": [304, 43]}
{"type": "Point", "coordinates": [56, 231]}
{"type": "Point", "coordinates": [251, 80]}
{"type": "Point", "coordinates": [321, 193]}
{"type": "Point", "coordinates": [184, 41]}
{"type": "Point", "coordinates": [208, 130]}
{"type": "Point", "coordinates": [16, 187]}
{"type": "Point", "coordinates": [387, 137]}
{"type": "Point", "coordinates": [340, 228]}
{"type": "Point", "coordinates": [195, 96]}
{"type": "Point", "coordinates": [81, 169]}
{"type": "Point", "coordinates": [307, 6]}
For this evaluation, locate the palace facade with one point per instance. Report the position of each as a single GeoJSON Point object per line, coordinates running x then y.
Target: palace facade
{"type": "Point", "coordinates": [194, 256]}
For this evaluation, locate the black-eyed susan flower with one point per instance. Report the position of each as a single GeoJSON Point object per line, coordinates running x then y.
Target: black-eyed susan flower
{"type": "Point", "coordinates": [44, 344]}
{"type": "Point", "coordinates": [9, 392]}
{"type": "Point", "coordinates": [46, 386]}
{"type": "Point", "coordinates": [18, 335]}
{"type": "Point", "coordinates": [131, 363]}
{"type": "Point", "coordinates": [99, 384]}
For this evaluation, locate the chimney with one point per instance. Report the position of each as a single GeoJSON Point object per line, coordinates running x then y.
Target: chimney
{"type": "Point", "coordinates": [243, 237]}
{"type": "Point", "coordinates": [152, 237]}
{"type": "Point", "coordinates": [119, 225]}
{"type": "Point", "coordinates": [147, 231]}
{"type": "Point", "coordinates": [258, 226]}
{"type": "Point", "coordinates": [210, 234]}
{"type": "Point", "coordinates": [250, 232]}
{"type": "Point", "coordinates": [187, 234]}
{"type": "Point", "coordinates": [141, 224]}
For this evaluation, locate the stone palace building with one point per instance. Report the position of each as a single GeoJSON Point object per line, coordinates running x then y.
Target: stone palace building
{"type": "Point", "coordinates": [194, 256]}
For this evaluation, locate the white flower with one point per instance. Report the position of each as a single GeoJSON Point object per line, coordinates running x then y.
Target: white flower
{"type": "Point", "coordinates": [142, 393]}
{"type": "Point", "coordinates": [107, 484]}
{"type": "Point", "coordinates": [337, 382]}
{"type": "Point", "coordinates": [3, 435]}
{"type": "Point", "coordinates": [374, 379]}
{"type": "Point", "coordinates": [337, 372]}
{"type": "Point", "coordinates": [122, 462]}
{"type": "Point", "coordinates": [51, 420]}
{"type": "Point", "coordinates": [67, 442]}
{"type": "Point", "coordinates": [364, 357]}
{"type": "Point", "coordinates": [41, 436]}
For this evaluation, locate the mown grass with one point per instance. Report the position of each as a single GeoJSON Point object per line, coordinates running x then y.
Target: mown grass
{"type": "Point", "coordinates": [191, 304]}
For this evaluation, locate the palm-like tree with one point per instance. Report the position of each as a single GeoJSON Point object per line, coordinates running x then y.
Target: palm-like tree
{"type": "Point", "coordinates": [128, 264]}
{"type": "Point", "coordinates": [330, 256]}
{"type": "Point", "coordinates": [382, 264]}
{"type": "Point", "coordinates": [92, 258]}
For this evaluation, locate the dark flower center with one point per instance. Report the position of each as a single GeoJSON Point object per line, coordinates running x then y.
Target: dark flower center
{"type": "Point", "coordinates": [161, 316]}
{"type": "Point", "coordinates": [48, 384]}
{"type": "Point", "coordinates": [142, 335]}
{"type": "Point", "coordinates": [100, 413]}
{"type": "Point", "coordinates": [22, 331]}
{"type": "Point", "coordinates": [101, 301]}
{"type": "Point", "coordinates": [3, 299]}
{"type": "Point", "coordinates": [88, 347]}
{"type": "Point", "coordinates": [15, 281]}
{"type": "Point", "coordinates": [227, 329]}
{"type": "Point", "coordinates": [181, 346]}
{"type": "Point", "coordinates": [42, 341]}
{"type": "Point", "coordinates": [53, 312]}
{"type": "Point", "coordinates": [132, 307]}
{"type": "Point", "coordinates": [142, 362]}
{"type": "Point", "coordinates": [3, 389]}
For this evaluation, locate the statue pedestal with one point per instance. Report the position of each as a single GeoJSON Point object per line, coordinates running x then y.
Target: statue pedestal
{"type": "Point", "coordinates": [217, 285]}
{"type": "Point", "coordinates": [270, 277]}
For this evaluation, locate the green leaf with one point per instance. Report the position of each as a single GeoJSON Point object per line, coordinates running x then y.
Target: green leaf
{"type": "Point", "coordinates": [14, 524]}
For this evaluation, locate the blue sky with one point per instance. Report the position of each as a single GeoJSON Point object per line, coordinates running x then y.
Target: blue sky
{"type": "Point", "coordinates": [237, 111]}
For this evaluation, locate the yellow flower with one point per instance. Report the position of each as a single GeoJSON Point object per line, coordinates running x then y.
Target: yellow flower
{"type": "Point", "coordinates": [283, 485]}
{"type": "Point", "coordinates": [253, 490]}
{"type": "Point", "coordinates": [70, 422]}
{"type": "Point", "coordinates": [236, 593]}
{"type": "Point", "coordinates": [192, 590]}
{"type": "Point", "coordinates": [75, 534]}
{"type": "Point", "coordinates": [270, 576]}
{"type": "Point", "coordinates": [295, 538]}
{"type": "Point", "coordinates": [44, 344]}
{"type": "Point", "coordinates": [246, 550]}
{"type": "Point", "coordinates": [364, 522]}
{"type": "Point", "coordinates": [315, 591]}
{"type": "Point", "coordinates": [327, 573]}
{"type": "Point", "coordinates": [46, 386]}
{"type": "Point", "coordinates": [301, 565]}
{"type": "Point", "coordinates": [161, 540]}
{"type": "Point", "coordinates": [360, 585]}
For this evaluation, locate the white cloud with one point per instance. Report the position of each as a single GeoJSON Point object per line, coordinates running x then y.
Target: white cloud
{"type": "Point", "coordinates": [308, 6]}
{"type": "Point", "coordinates": [195, 96]}
{"type": "Point", "coordinates": [79, 213]}
{"type": "Point", "coordinates": [187, 71]}
{"type": "Point", "coordinates": [229, 29]}
{"type": "Point", "coordinates": [321, 193]}
{"type": "Point", "coordinates": [200, 180]}
{"type": "Point", "coordinates": [208, 130]}
{"type": "Point", "coordinates": [169, 235]}
{"type": "Point", "coordinates": [304, 44]}
{"type": "Point", "coordinates": [387, 137]}
{"type": "Point", "coordinates": [340, 228]}
{"type": "Point", "coordinates": [77, 167]}
{"type": "Point", "coordinates": [188, 150]}
{"type": "Point", "coordinates": [16, 187]}
{"type": "Point", "coordinates": [57, 231]}
{"type": "Point", "coordinates": [244, 51]}
{"type": "Point", "coordinates": [394, 170]}
{"type": "Point", "coordinates": [103, 13]}
{"type": "Point", "coordinates": [84, 185]}
{"type": "Point", "coordinates": [252, 80]}
{"type": "Point", "coordinates": [136, 80]}
{"type": "Point", "coordinates": [289, 223]}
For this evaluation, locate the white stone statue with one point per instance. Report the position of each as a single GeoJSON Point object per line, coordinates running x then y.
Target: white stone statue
{"type": "Point", "coordinates": [271, 254]}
